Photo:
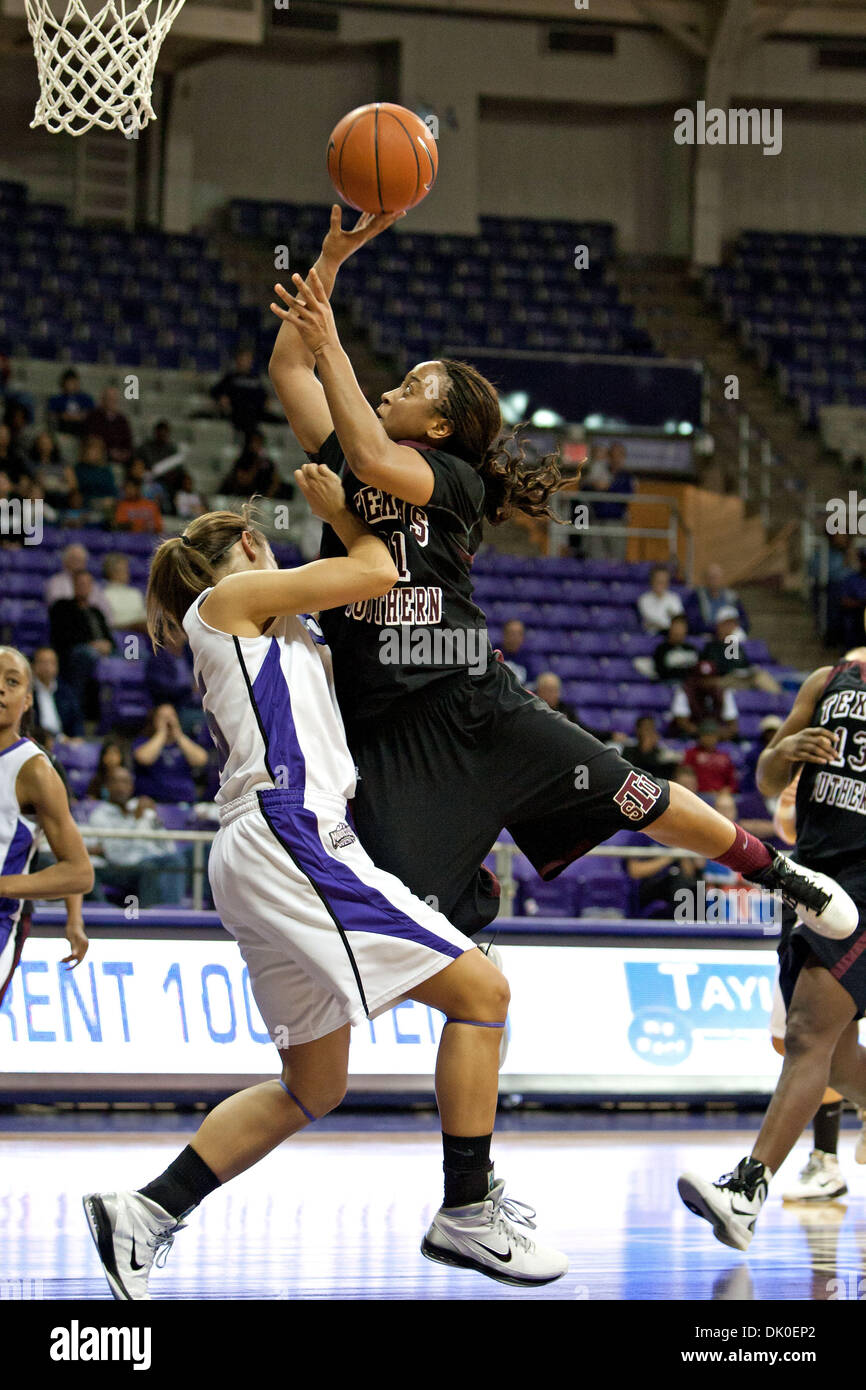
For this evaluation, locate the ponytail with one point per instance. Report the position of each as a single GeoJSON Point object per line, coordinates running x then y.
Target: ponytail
{"type": "Point", "coordinates": [512, 482]}
{"type": "Point", "coordinates": [184, 566]}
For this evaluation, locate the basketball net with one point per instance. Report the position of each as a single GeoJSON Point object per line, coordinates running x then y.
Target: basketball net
{"type": "Point", "coordinates": [94, 69]}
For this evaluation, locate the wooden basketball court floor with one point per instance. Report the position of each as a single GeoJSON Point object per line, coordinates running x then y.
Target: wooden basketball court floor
{"type": "Point", "coordinates": [338, 1212]}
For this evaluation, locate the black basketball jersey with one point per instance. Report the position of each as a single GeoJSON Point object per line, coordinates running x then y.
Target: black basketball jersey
{"type": "Point", "coordinates": [428, 626]}
{"type": "Point", "coordinates": [831, 797]}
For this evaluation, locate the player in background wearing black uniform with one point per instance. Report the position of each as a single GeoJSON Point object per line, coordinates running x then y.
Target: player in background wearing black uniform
{"type": "Point", "coordinates": [823, 981]}
{"type": "Point", "coordinates": [450, 747]}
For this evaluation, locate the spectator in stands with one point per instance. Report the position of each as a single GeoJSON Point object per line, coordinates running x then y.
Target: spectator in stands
{"type": "Point", "coordinates": [112, 754]}
{"type": "Point", "coordinates": [648, 752]}
{"type": "Point", "coordinates": [149, 869]}
{"type": "Point", "coordinates": [727, 656]}
{"type": "Point", "coordinates": [548, 687]}
{"type": "Point", "coordinates": [50, 470]}
{"type": "Point", "coordinates": [714, 769]}
{"type": "Point", "coordinates": [828, 570]}
{"type": "Point", "coordinates": [110, 425]}
{"type": "Point", "coordinates": [513, 637]}
{"type": "Point", "coordinates": [31, 491]}
{"type": "Point", "coordinates": [81, 636]}
{"type": "Point", "coordinates": [685, 774]}
{"type": "Point", "coordinates": [69, 409]}
{"type": "Point", "coordinates": [609, 474]}
{"type": "Point", "coordinates": [56, 708]}
{"type": "Point", "coordinates": [18, 416]}
{"type": "Point", "coordinates": [187, 502]}
{"type": "Point", "coordinates": [151, 487]}
{"type": "Point", "coordinates": [674, 658]}
{"type": "Point", "coordinates": [254, 471]}
{"type": "Point", "coordinates": [137, 513]}
{"type": "Point", "coordinates": [852, 602]}
{"type": "Point", "coordinates": [94, 475]}
{"type": "Point", "coordinates": [240, 394]}
{"type": "Point", "coordinates": [125, 600]}
{"type": "Point", "coordinates": [165, 758]}
{"type": "Point", "coordinates": [74, 559]}
{"type": "Point", "coordinates": [658, 604]}
{"type": "Point", "coordinates": [168, 676]}
{"type": "Point", "coordinates": [159, 445]}
{"type": "Point", "coordinates": [698, 690]}
{"type": "Point", "coordinates": [727, 805]}
{"type": "Point", "coordinates": [662, 882]}
{"type": "Point", "coordinates": [12, 461]}
{"type": "Point", "coordinates": [713, 595]}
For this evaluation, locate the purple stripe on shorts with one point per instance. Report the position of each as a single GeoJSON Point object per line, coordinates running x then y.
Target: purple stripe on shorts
{"type": "Point", "coordinates": [354, 904]}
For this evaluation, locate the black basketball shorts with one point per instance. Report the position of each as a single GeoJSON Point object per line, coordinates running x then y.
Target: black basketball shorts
{"type": "Point", "coordinates": [441, 777]}
{"type": "Point", "coordinates": [846, 960]}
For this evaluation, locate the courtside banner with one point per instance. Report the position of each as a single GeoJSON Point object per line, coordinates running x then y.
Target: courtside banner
{"type": "Point", "coordinates": [588, 1020]}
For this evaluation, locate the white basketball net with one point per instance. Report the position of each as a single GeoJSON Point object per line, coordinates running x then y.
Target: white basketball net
{"type": "Point", "coordinates": [94, 69]}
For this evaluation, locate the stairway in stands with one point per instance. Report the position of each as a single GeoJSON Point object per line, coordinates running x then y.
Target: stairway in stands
{"type": "Point", "coordinates": [670, 306]}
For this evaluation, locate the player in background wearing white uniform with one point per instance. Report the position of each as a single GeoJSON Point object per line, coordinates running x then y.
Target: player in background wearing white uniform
{"type": "Point", "coordinates": [32, 799]}
{"type": "Point", "coordinates": [329, 939]}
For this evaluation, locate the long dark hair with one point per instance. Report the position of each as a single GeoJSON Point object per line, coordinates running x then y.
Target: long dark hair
{"type": "Point", "coordinates": [184, 566]}
{"type": "Point", "coordinates": [512, 482]}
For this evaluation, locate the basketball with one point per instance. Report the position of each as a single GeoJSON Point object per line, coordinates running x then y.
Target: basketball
{"type": "Point", "coordinates": [382, 158]}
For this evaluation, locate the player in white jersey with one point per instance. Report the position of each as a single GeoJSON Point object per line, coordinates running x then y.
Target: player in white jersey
{"type": "Point", "coordinates": [329, 939]}
{"type": "Point", "coordinates": [32, 799]}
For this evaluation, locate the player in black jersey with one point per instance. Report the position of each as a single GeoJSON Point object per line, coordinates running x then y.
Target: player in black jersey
{"type": "Point", "coordinates": [823, 981]}
{"type": "Point", "coordinates": [450, 747]}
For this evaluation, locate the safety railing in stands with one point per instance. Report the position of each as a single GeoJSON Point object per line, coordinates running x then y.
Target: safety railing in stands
{"type": "Point", "coordinates": [675, 529]}
{"type": "Point", "coordinates": [504, 851]}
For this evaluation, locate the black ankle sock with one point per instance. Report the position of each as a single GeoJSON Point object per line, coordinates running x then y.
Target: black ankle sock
{"type": "Point", "coordinates": [185, 1183]}
{"type": "Point", "coordinates": [826, 1123]}
{"type": "Point", "coordinates": [468, 1170]}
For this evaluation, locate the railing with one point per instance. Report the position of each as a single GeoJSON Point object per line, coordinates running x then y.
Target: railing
{"type": "Point", "coordinates": [754, 450]}
{"type": "Point", "coordinates": [504, 851]}
{"type": "Point", "coordinates": [562, 504]}
{"type": "Point", "coordinates": [198, 838]}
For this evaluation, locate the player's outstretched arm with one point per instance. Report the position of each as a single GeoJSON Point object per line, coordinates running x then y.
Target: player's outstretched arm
{"type": "Point", "coordinates": [371, 455]}
{"type": "Point", "coordinates": [243, 603]}
{"type": "Point", "coordinates": [291, 367]}
{"type": "Point", "coordinates": [794, 741]}
{"type": "Point", "coordinates": [42, 795]}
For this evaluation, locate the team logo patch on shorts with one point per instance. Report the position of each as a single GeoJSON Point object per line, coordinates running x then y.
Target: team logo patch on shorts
{"type": "Point", "coordinates": [637, 796]}
{"type": "Point", "coordinates": [342, 835]}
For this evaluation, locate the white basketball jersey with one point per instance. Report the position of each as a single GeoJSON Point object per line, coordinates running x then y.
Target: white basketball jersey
{"type": "Point", "coordinates": [270, 706]}
{"type": "Point", "coordinates": [18, 834]}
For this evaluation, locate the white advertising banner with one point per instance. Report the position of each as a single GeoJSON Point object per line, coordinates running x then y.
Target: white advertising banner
{"type": "Point", "coordinates": [583, 1018]}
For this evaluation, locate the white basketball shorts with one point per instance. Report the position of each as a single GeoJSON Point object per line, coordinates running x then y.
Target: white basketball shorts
{"type": "Point", "coordinates": [327, 937]}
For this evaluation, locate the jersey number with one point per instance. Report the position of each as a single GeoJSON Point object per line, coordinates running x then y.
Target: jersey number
{"type": "Point", "coordinates": [397, 545]}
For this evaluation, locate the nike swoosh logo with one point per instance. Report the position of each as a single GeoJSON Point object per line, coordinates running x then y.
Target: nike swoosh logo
{"type": "Point", "coordinates": [133, 1263]}
{"type": "Point", "coordinates": [504, 1259]}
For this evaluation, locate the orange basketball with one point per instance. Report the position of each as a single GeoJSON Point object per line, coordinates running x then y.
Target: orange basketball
{"type": "Point", "coordinates": [382, 158]}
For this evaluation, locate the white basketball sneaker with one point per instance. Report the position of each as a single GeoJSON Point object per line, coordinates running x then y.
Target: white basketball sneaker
{"type": "Point", "coordinates": [482, 1237]}
{"type": "Point", "coordinates": [131, 1234]}
{"type": "Point", "coordinates": [820, 1181]}
{"type": "Point", "coordinates": [732, 1204]}
{"type": "Point", "coordinates": [817, 899]}
{"type": "Point", "coordinates": [493, 955]}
